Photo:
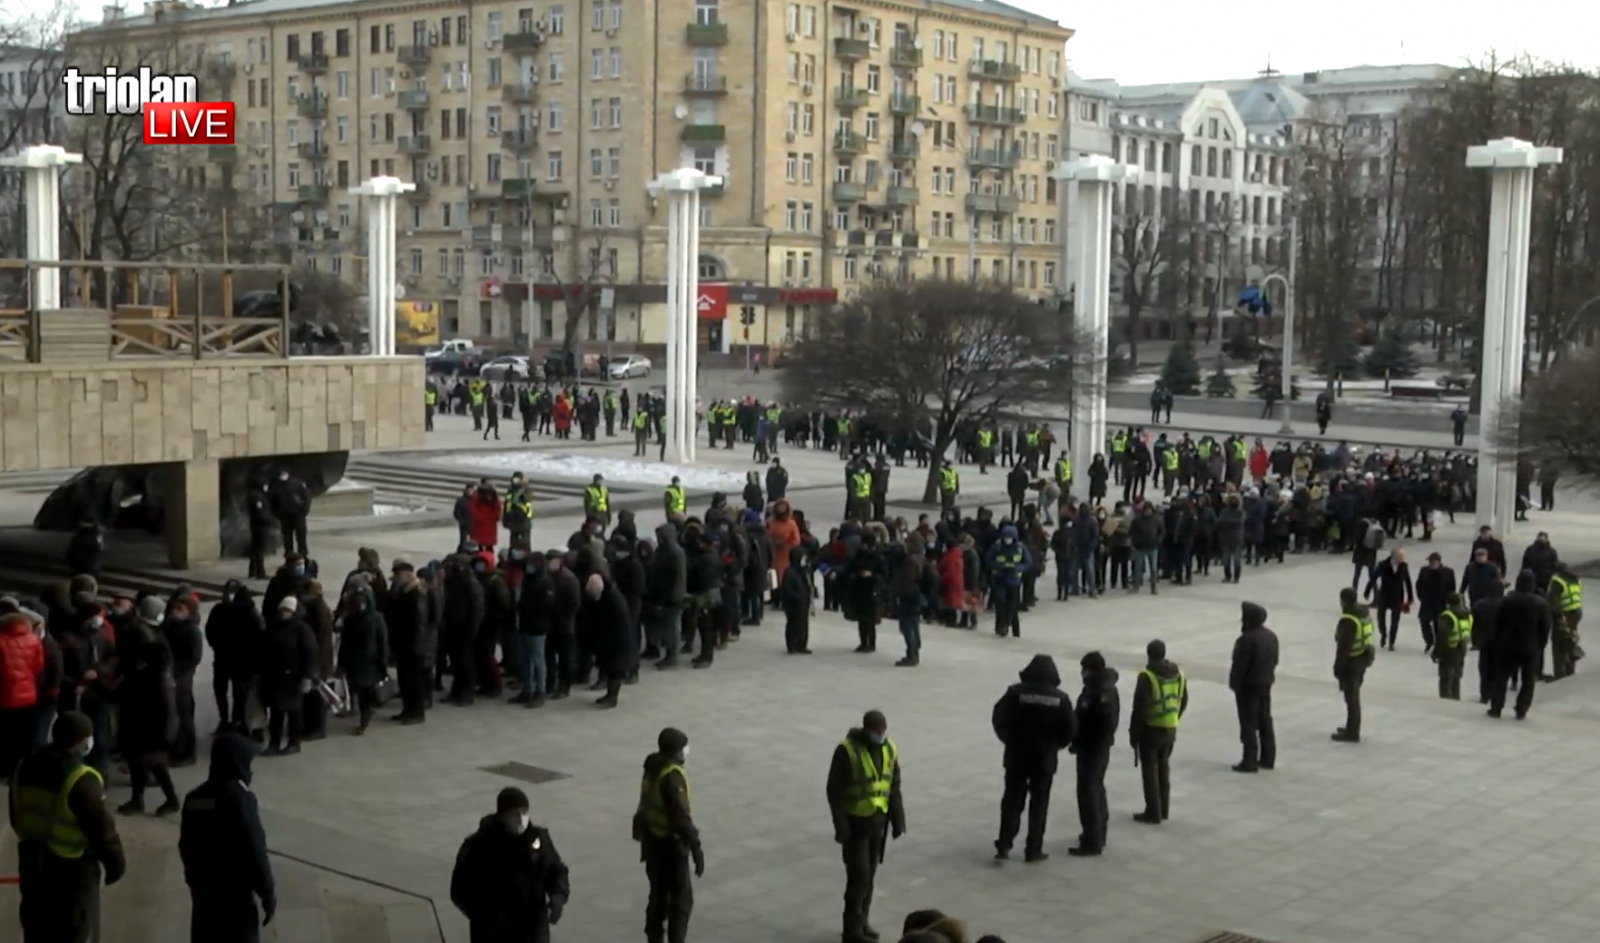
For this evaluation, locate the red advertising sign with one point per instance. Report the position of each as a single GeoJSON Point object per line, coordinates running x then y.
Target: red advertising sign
{"type": "Point", "coordinates": [712, 302]}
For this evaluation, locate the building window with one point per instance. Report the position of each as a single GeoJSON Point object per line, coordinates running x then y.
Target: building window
{"type": "Point", "coordinates": [710, 269]}
{"type": "Point", "coordinates": [705, 12]}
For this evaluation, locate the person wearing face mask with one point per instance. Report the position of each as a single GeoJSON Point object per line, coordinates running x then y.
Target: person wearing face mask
{"type": "Point", "coordinates": [509, 880]}
{"type": "Point", "coordinates": [258, 509]}
{"type": "Point", "coordinates": [291, 502]}
{"type": "Point", "coordinates": [66, 837]}
{"type": "Point", "coordinates": [224, 850]}
{"type": "Point", "coordinates": [604, 614]}
{"type": "Point", "coordinates": [1097, 712]}
{"type": "Point", "coordinates": [22, 665]}
{"type": "Point", "coordinates": [363, 652]}
{"type": "Point", "coordinates": [668, 839]}
{"type": "Point", "coordinates": [1008, 562]}
{"type": "Point", "coordinates": [864, 799]}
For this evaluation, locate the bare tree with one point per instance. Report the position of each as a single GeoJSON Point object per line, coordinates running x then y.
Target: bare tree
{"type": "Point", "coordinates": [1149, 250]}
{"type": "Point", "coordinates": [594, 269]}
{"type": "Point", "coordinates": [935, 352]}
{"type": "Point", "coordinates": [31, 47]}
{"type": "Point", "coordinates": [1550, 428]}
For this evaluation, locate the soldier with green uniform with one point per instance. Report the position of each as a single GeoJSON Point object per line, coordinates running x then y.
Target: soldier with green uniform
{"type": "Point", "coordinates": [1353, 653]}
{"type": "Point", "coordinates": [864, 798]}
{"type": "Point", "coordinates": [1566, 601]}
{"type": "Point", "coordinates": [1451, 644]}
{"type": "Point", "coordinates": [949, 485]}
{"type": "Point", "coordinates": [1160, 696]}
{"type": "Point", "coordinates": [668, 839]}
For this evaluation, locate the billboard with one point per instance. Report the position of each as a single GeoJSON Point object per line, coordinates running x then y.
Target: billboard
{"type": "Point", "coordinates": [416, 323]}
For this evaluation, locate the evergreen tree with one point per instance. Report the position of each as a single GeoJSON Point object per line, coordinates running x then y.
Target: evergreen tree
{"type": "Point", "coordinates": [1181, 373]}
{"type": "Point", "coordinates": [1391, 357]}
{"type": "Point", "coordinates": [1219, 385]}
{"type": "Point", "coordinates": [1342, 357]}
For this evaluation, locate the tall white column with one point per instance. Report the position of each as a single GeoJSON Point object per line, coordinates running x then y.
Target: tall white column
{"type": "Point", "coordinates": [1095, 176]}
{"type": "Point", "coordinates": [382, 199]}
{"type": "Point", "coordinates": [1511, 164]}
{"type": "Point", "coordinates": [681, 189]}
{"type": "Point", "coordinates": [41, 192]}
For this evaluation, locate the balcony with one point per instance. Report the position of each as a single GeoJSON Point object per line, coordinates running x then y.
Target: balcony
{"type": "Point", "coordinates": [414, 145]}
{"type": "Point", "coordinates": [314, 63]}
{"type": "Point", "coordinates": [516, 93]}
{"type": "Point", "coordinates": [519, 139]}
{"type": "Point", "coordinates": [902, 196]}
{"type": "Point", "coordinates": [222, 70]}
{"type": "Point", "coordinates": [849, 191]}
{"type": "Point", "coordinates": [313, 192]}
{"type": "Point", "coordinates": [422, 193]}
{"type": "Point", "coordinates": [850, 49]}
{"type": "Point", "coordinates": [709, 133]}
{"type": "Point", "coordinates": [313, 105]}
{"type": "Point", "coordinates": [994, 114]}
{"type": "Point", "coordinates": [697, 84]}
{"type": "Point", "coordinates": [991, 203]}
{"type": "Point", "coordinates": [991, 158]}
{"type": "Point", "coordinates": [518, 188]}
{"type": "Point", "coordinates": [706, 34]}
{"type": "Point", "coordinates": [994, 71]}
{"type": "Point", "coordinates": [312, 150]}
{"type": "Point", "coordinates": [415, 99]}
{"type": "Point", "coordinates": [415, 55]}
{"type": "Point", "coordinates": [527, 40]}
{"type": "Point", "coordinates": [719, 190]}
{"type": "Point", "coordinates": [905, 105]}
{"type": "Point", "coordinates": [848, 143]}
{"type": "Point", "coordinates": [905, 149]}
{"type": "Point", "coordinates": [497, 234]}
{"type": "Point", "coordinates": [223, 153]}
{"type": "Point", "coordinates": [905, 56]}
{"type": "Point", "coordinates": [849, 99]}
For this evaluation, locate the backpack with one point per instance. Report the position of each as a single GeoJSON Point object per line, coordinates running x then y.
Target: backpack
{"type": "Point", "coordinates": [1374, 538]}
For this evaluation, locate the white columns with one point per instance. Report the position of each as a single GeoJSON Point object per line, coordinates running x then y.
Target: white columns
{"type": "Point", "coordinates": [382, 195]}
{"type": "Point", "coordinates": [1095, 176]}
{"type": "Point", "coordinates": [41, 192]}
{"type": "Point", "coordinates": [1511, 164]}
{"type": "Point", "coordinates": [681, 189]}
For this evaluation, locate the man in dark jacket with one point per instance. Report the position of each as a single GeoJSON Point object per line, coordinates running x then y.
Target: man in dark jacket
{"type": "Point", "coordinates": [1435, 584]}
{"type": "Point", "coordinates": [1097, 713]}
{"type": "Point", "coordinates": [1390, 588]}
{"type": "Point", "coordinates": [224, 850]}
{"type": "Point", "coordinates": [234, 631]}
{"type": "Point", "coordinates": [405, 612]}
{"type": "Point", "coordinates": [1485, 619]}
{"type": "Point", "coordinates": [566, 595]}
{"type": "Point", "coordinates": [668, 839]}
{"type": "Point", "coordinates": [509, 880]}
{"type": "Point", "coordinates": [60, 895]}
{"type": "Point", "coordinates": [1517, 647]}
{"type": "Point", "coordinates": [863, 793]}
{"type": "Point", "coordinates": [1160, 696]}
{"type": "Point", "coordinates": [534, 599]}
{"type": "Point", "coordinates": [1482, 578]}
{"type": "Point", "coordinates": [463, 613]}
{"type": "Point", "coordinates": [184, 639]}
{"type": "Point", "coordinates": [1353, 650]}
{"type": "Point", "coordinates": [1254, 669]}
{"type": "Point", "coordinates": [291, 502]}
{"type": "Point", "coordinates": [1493, 550]}
{"type": "Point", "coordinates": [1034, 720]}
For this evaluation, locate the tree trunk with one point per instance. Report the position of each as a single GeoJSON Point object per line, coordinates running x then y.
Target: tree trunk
{"type": "Point", "coordinates": [943, 434]}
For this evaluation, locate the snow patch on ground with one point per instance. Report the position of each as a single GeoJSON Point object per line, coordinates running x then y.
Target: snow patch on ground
{"type": "Point", "coordinates": [535, 464]}
{"type": "Point", "coordinates": [389, 510]}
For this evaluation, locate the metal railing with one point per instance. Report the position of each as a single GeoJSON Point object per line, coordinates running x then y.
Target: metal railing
{"type": "Point", "coordinates": [146, 310]}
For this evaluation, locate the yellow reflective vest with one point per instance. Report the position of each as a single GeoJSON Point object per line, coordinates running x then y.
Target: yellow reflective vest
{"type": "Point", "coordinates": [861, 484]}
{"type": "Point", "coordinates": [1365, 630]}
{"type": "Point", "coordinates": [44, 816]}
{"type": "Point", "coordinates": [1458, 630]}
{"type": "Point", "coordinates": [1166, 700]}
{"type": "Point", "coordinates": [599, 498]}
{"type": "Point", "coordinates": [870, 786]}
{"type": "Point", "coordinates": [1063, 470]}
{"type": "Point", "coordinates": [651, 804]}
{"type": "Point", "coordinates": [1571, 593]}
{"type": "Point", "coordinates": [949, 480]}
{"type": "Point", "coordinates": [677, 501]}
{"type": "Point", "coordinates": [430, 396]}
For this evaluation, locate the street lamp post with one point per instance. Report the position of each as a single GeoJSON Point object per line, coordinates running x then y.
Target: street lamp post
{"type": "Point", "coordinates": [1287, 368]}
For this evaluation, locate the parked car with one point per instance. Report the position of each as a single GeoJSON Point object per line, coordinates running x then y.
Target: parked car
{"type": "Point", "coordinates": [629, 366]}
{"type": "Point", "coordinates": [454, 363]}
{"type": "Point", "coordinates": [512, 367]}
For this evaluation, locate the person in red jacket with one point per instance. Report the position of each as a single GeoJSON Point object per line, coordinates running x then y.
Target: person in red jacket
{"type": "Point", "coordinates": [484, 510]}
{"type": "Point", "coordinates": [1260, 461]}
{"type": "Point", "coordinates": [22, 664]}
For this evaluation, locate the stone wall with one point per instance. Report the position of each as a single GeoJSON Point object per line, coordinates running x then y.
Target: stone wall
{"type": "Point", "coordinates": [132, 412]}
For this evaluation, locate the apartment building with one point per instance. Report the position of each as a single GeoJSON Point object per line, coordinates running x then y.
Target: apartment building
{"type": "Point", "coordinates": [31, 112]}
{"type": "Point", "coordinates": [855, 140]}
{"type": "Point", "coordinates": [1221, 154]}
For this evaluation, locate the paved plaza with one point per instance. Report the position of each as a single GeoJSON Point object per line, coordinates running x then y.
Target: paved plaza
{"type": "Point", "coordinates": [1441, 825]}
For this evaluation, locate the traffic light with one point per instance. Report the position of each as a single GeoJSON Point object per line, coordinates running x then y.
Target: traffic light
{"type": "Point", "coordinates": [747, 315]}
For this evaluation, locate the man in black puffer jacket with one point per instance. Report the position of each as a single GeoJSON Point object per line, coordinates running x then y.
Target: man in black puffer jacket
{"type": "Point", "coordinates": [1255, 667]}
{"type": "Point", "coordinates": [1035, 721]}
{"type": "Point", "coordinates": [1098, 712]}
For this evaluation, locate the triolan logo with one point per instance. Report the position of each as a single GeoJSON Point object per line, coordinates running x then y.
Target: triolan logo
{"type": "Point", "coordinates": [166, 104]}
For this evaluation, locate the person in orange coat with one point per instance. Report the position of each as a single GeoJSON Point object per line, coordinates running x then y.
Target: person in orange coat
{"type": "Point", "coordinates": [562, 412]}
{"type": "Point", "coordinates": [784, 535]}
{"type": "Point", "coordinates": [1260, 461]}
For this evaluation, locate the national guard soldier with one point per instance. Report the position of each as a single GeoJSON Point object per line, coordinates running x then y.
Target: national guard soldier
{"type": "Point", "coordinates": [1566, 601]}
{"type": "Point", "coordinates": [864, 798]}
{"type": "Point", "coordinates": [949, 486]}
{"type": "Point", "coordinates": [1450, 645]}
{"type": "Point", "coordinates": [517, 515]}
{"type": "Point", "coordinates": [641, 431]}
{"type": "Point", "coordinates": [674, 500]}
{"type": "Point", "coordinates": [861, 493]}
{"type": "Point", "coordinates": [1353, 653]}
{"type": "Point", "coordinates": [1160, 696]}
{"type": "Point", "coordinates": [668, 839]}
{"type": "Point", "coordinates": [1064, 473]}
{"type": "Point", "coordinates": [430, 400]}
{"type": "Point", "coordinates": [597, 502]}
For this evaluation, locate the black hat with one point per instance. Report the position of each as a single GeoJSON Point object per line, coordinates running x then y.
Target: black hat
{"type": "Point", "coordinates": [671, 741]}
{"type": "Point", "coordinates": [1094, 661]}
{"type": "Point", "coordinates": [71, 729]}
{"type": "Point", "coordinates": [511, 799]}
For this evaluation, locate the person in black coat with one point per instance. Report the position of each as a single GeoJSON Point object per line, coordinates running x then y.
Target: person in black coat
{"type": "Point", "coordinates": [184, 639]}
{"type": "Point", "coordinates": [1435, 583]}
{"type": "Point", "coordinates": [509, 880]}
{"type": "Point", "coordinates": [534, 598]}
{"type": "Point", "coordinates": [777, 481]}
{"type": "Point", "coordinates": [148, 726]}
{"type": "Point", "coordinates": [1391, 590]}
{"type": "Point", "coordinates": [463, 613]}
{"type": "Point", "coordinates": [795, 595]}
{"type": "Point", "coordinates": [864, 582]}
{"type": "Point", "coordinates": [1522, 629]}
{"type": "Point", "coordinates": [1098, 712]}
{"type": "Point", "coordinates": [405, 615]}
{"type": "Point", "coordinates": [665, 586]}
{"type": "Point", "coordinates": [288, 672]}
{"type": "Point", "coordinates": [1254, 669]}
{"type": "Point", "coordinates": [1035, 721]}
{"type": "Point", "coordinates": [628, 574]}
{"type": "Point", "coordinates": [224, 850]}
{"type": "Point", "coordinates": [363, 651]}
{"type": "Point", "coordinates": [1485, 620]}
{"type": "Point", "coordinates": [1493, 550]}
{"type": "Point", "coordinates": [604, 615]}
{"type": "Point", "coordinates": [291, 503]}
{"type": "Point", "coordinates": [233, 633]}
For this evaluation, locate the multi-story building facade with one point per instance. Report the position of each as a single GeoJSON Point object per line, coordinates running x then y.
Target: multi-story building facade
{"type": "Point", "coordinates": [1218, 158]}
{"type": "Point", "coordinates": [881, 137]}
{"type": "Point", "coordinates": [31, 112]}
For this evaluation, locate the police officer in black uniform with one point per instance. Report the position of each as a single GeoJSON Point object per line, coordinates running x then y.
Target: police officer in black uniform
{"type": "Point", "coordinates": [1098, 712]}
{"type": "Point", "coordinates": [224, 850]}
{"type": "Point", "coordinates": [1034, 720]}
